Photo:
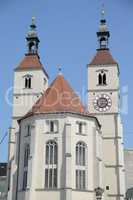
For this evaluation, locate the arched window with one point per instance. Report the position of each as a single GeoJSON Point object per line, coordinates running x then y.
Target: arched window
{"type": "Point", "coordinates": [51, 161]}
{"type": "Point", "coordinates": [28, 81]}
{"type": "Point", "coordinates": [80, 165]}
{"type": "Point", "coordinates": [26, 160]}
{"type": "Point", "coordinates": [102, 78]}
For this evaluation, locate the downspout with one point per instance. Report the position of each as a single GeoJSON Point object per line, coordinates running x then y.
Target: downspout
{"type": "Point", "coordinates": [18, 160]}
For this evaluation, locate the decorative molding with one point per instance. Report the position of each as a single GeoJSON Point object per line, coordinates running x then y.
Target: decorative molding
{"type": "Point", "coordinates": [111, 138]}
{"type": "Point", "coordinates": [59, 189]}
{"type": "Point", "coordinates": [51, 133]}
{"type": "Point", "coordinates": [81, 134]}
{"type": "Point", "coordinates": [32, 69]}
{"type": "Point", "coordinates": [103, 90]}
{"type": "Point", "coordinates": [92, 191]}
{"type": "Point", "coordinates": [103, 65]}
{"type": "Point", "coordinates": [103, 114]}
{"type": "Point", "coordinates": [113, 166]}
{"type": "Point", "coordinates": [25, 94]}
{"type": "Point", "coordinates": [99, 70]}
{"type": "Point", "coordinates": [116, 195]}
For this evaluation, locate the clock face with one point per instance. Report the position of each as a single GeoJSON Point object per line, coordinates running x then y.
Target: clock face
{"type": "Point", "coordinates": [102, 102]}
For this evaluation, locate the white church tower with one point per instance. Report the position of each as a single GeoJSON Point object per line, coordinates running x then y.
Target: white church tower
{"type": "Point", "coordinates": [103, 102]}
{"type": "Point", "coordinates": [30, 81]}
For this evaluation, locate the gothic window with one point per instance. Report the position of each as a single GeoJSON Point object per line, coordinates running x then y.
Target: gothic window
{"type": "Point", "coordinates": [80, 179]}
{"type": "Point", "coordinates": [26, 160]}
{"type": "Point", "coordinates": [52, 126]}
{"type": "Point", "coordinates": [102, 78]}
{"type": "Point", "coordinates": [80, 154]}
{"type": "Point", "coordinates": [81, 166]}
{"type": "Point", "coordinates": [51, 164]}
{"type": "Point", "coordinates": [28, 130]}
{"type": "Point", "coordinates": [81, 127]}
{"type": "Point", "coordinates": [27, 80]}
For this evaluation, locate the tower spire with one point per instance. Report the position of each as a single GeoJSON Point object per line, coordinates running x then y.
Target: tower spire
{"type": "Point", "coordinates": [103, 34]}
{"type": "Point", "coordinates": [32, 38]}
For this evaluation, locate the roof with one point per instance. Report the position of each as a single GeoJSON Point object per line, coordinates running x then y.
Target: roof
{"type": "Point", "coordinates": [59, 97]}
{"type": "Point", "coordinates": [31, 61]}
{"type": "Point", "coordinates": [103, 57]}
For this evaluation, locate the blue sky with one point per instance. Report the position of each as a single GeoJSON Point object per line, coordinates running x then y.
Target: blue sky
{"type": "Point", "coordinates": [67, 30]}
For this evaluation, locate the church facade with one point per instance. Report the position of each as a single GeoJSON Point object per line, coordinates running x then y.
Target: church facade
{"type": "Point", "coordinates": [58, 149]}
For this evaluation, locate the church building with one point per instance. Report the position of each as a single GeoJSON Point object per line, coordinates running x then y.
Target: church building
{"type": "Point", "coordinates": [58, 148]}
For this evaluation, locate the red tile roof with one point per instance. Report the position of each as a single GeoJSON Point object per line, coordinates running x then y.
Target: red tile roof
{"type": "Point", "coordinates": [59, 97]}
{"type": "Point", "coordinates": [30, 61]}
{"type": "Point", "coordinates": [103, 57]}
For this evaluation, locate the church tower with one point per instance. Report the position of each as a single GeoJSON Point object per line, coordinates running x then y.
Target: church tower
{"type": "Point", "coordinates": [30, 78]}
{"type": "Point", "coordinates": [30, 81]}
{"type": "Point", "coordinates": [103, 102]}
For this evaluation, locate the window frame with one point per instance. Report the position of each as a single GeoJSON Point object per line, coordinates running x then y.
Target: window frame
{"type": "Point", "coordinates": [102, 77]}
{"type": "Point", "coordinates": [81, 166]}
{"type": "Point", "coordinates": [51, 165]}
{"type": "Point", "coordinates": [81, 128]}
{"type": "Point", "coordinates": [28, 81]}
{"type": "Point", "coordinates": [55, 126]}
{"type": "Point", "coordinates": [25, 165]}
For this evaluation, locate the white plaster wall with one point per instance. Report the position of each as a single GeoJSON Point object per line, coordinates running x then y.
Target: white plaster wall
{"type": "Point", "coordinates": [83, 195]}
{"type": "Point", "coordinates": [23, 100]}
{"type": "Point", "coordinates": [112, 77]}
{"type": "Point", "coordinates": [38, 139]}
{"type": "Point", "coordinates": [110, 179]}
{"type": "Point", "coordinates": [128, 157]}
{"type": "Point", "coordinates": [37, 84]}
